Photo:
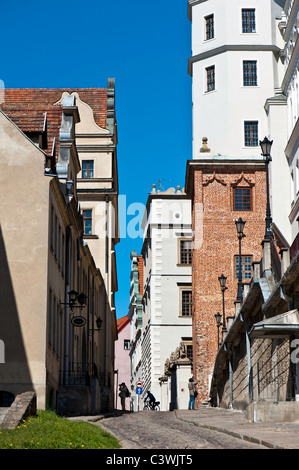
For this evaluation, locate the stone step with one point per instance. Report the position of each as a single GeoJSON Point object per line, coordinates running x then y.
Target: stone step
{"type": "Point", "coordinates": [3, 412]}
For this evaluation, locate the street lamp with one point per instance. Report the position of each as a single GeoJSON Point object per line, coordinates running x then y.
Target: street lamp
{"type": "Point", "coordinates": [222, 281]}
{"type": "Point", "coordinates": [240, 227]}
{"type": "Point", "coordinates": [266, 149]}
{"type": "Point", "coordinates": [75, 297]}
{"type": "Point", "coordinates": [218, 322]}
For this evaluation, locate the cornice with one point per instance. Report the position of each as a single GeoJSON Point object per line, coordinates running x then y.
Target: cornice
{"type": "Point", "coordinates": [229, 48]}
{"type": "Point", "coordinates": [192, 3]}
{"type": "Point", "coordinates": [219, 163]}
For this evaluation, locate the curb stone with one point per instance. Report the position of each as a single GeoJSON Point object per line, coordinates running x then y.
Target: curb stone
{"type": "Point", "coordinates": [238, 435]}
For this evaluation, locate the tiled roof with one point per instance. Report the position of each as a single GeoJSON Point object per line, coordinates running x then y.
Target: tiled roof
{"type": "Point", "coordinates": [122, 322]}
{"type": "Point", "coordinates": [26, 107]}
{"type": "Point", "coordinates": [96, 98]}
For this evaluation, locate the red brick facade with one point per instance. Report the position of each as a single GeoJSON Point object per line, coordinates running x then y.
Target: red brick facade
{"type": "Point", "coordinates": [211, 186]}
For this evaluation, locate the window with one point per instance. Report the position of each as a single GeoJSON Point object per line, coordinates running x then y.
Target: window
{"type": "Point", "coordinates": [251, 133]}
{"type": "Point", "coordinates": [126, 344]}
{"type": "Point", "coordinates": [249, 73]}
{"type": "Point", "coordinates": [188, 345]}
{"type": "Point", "coordinates": [209, 20]}
{"type": "Point", "coordinates": [186, 303]}
{"type": "Point", "coordinates": [87, 222]}
{"type": "Point", "coordinates": [87, 169]}
{"type": "Point", "coordinates": [189, 351]}
{"type": "Point", "coordinates": [185, 251]}
{"type": "Point", "coordinates": [242, 199]}
{"type": "Point", "coordinates": [248, 20]}
{"type": "Point", "coordinates": [246, 262]}
{"type": "Point", "coordinates": [210, 71]}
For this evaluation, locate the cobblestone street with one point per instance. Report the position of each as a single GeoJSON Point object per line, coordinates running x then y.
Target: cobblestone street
{"type": "Point", "coordinates": [166, 430]}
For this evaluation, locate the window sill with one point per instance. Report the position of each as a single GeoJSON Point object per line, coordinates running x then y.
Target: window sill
{"type": "Point", "coordinates": [90, 237]}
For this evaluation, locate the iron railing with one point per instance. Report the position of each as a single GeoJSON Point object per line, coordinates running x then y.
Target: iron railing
{"type": "Point", "coordinates": [78, 373]}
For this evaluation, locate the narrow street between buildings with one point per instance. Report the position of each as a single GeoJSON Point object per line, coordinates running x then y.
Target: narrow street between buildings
{"type": "Point", "coordinates": [204, 428]}
{"type": "Point", "coordinates": [170, 430]}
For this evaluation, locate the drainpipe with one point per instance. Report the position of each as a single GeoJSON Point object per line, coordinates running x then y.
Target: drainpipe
{"type": "Point", "coordinates": [92, 322]}
{"type": "Point", "coordinates": [87, 316]}
{"type": "Point", "coordinates": [248, 354]}
{"type": "Point", "coordinates": [107, 345]}
{"type": "Point", "coordinates": [67, 289]}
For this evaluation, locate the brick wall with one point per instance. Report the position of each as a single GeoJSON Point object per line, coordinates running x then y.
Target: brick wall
{"type": "Point", "coordinates": [215, 245]}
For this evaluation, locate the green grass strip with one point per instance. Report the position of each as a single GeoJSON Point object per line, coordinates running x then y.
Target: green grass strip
{"type": "Point", "coordinates": [46, 430]}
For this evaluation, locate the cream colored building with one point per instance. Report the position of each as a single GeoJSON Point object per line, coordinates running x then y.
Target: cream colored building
{"type": "Point", "coordinates": [45, 254]}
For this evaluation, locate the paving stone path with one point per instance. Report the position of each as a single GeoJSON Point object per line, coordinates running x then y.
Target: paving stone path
{"type": "Point", "coordinates": [163, 430]}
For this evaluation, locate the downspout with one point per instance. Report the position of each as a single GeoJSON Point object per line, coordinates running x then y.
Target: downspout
{"type": "Point", "coordinates": [92, 323]}
{"type": "Point", "coordinates": [67, 289]}
{"type": "Point", "coordinates": [87, 317]}
{"type": "Point", "coordinates": [107, 345]}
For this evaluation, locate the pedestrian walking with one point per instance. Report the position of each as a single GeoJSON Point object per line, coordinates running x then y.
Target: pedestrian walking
{"type": "Point", "coordinates": [192, 393]}
{"type": "Point", "coordinates": [123, 393]}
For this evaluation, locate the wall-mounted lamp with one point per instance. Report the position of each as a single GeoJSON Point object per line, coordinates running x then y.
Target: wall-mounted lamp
{"type": "Point", "coordinates": [266, 145]}
{"type": "Point", "coordinates": [218, 318]}
{"type": "Point", "coordinates": [222, 281]}
{"type": "Point", "coordinates": [99, 323]}
{"type": "Point", "coordinates": [76, 300]}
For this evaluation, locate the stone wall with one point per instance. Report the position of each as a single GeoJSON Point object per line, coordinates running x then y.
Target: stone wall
{"type": "Point", "coordinates": [24, 405]}
{"type": "Point", "coordinates": [270, 373]}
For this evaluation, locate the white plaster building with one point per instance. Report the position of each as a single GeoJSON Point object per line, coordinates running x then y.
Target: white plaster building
{"type": "Point", "coordinates": [290, 90]}
{"type": "Point", "coordinates": [237, 73]}
{"type": "Point", "coordinates": [167, 297]}
{"type": "Point", "coordinates": [135, 315]}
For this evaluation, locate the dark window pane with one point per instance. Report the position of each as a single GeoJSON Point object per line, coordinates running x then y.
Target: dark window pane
{"type": "Point", "coordinates": [251, 133]}
{"type": "Point", "coordinates": [186, 252]}
{"type": "Point", "coordinates": [187, 303]}
{"type": "Point", "coordinates": [248, 20]}
{"type": "Point", "coordinates": [249, 73]}
{"type": "Point", "coordinates": [245, 267]}
{"type": "Point", "coordinates": [242, 199]}
{"type": "Point", "coordinates": [209, 26]}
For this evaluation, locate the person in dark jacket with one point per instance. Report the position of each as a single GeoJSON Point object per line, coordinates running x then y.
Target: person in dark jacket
{"type": "Point", "coordinates": [123, 393]}
{"type": "Point", "coordinates": [192, 392]}
{"type": "Point", "coordinates": [151, 398]}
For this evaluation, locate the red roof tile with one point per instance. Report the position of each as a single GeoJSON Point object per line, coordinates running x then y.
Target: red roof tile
{"type": "Point", "coordinates": [26, 107]}
{"type": "Point", "coordinates": [122, 322]}
{"type": "Point", "coordinates": [96, 98]}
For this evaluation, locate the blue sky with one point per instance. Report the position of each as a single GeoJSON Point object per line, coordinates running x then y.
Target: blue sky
{"type": "Point", "coordinates": [145, 46]}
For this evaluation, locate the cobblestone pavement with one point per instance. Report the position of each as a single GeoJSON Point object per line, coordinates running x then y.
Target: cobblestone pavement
{"type": "Point", "coordinates": [170, 430]}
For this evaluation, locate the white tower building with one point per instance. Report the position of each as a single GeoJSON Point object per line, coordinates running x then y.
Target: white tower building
{"type": "Point", "coordinates": [237, 72]}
